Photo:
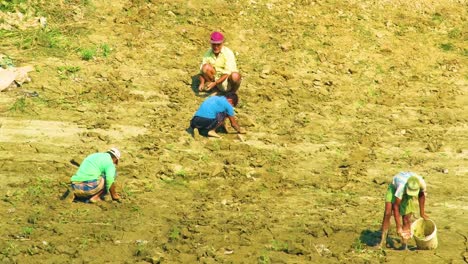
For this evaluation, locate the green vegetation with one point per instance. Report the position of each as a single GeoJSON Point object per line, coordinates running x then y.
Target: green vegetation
{"type": "Point", "coordinates": [66, 72]}
{"type": "Point", "coordinates": [88, 54]}
{"type": "Point", "coordinates": [13, 5]}
{"type": "Point", "coordinates": [27, 231]}
{"type": "Point", "coordinates": [447, 46]}
{"type": "Point", "coordinates": [174, 234]}
{"type": "Point", "coordinates": [105, 50]}
{"type": "Point", "coordinates": [279, 246]}
{"type": "Point", "coordinates": [19, 105]}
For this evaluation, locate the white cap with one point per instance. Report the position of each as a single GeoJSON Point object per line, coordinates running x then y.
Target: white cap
{"type": "Point", "coordinates": [115, 152]}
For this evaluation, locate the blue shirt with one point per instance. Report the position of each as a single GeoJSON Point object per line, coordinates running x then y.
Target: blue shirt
{"type": "Point", "coordinates": [214, 105]}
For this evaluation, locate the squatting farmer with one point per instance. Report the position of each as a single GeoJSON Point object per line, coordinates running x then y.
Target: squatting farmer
{"type": "Point", "coordinates": [218, 70]}
{"type": "Point", "coordinates": [213, 112]}
{"type": "Point", "coordinates": [96, 175]}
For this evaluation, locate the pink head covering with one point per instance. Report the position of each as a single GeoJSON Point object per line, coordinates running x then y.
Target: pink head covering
{"type": "Point", "coordinates": [216, 37]}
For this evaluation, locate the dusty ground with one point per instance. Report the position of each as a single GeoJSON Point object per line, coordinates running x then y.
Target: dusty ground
{"type": "Point", "coordinates": [337, 97]}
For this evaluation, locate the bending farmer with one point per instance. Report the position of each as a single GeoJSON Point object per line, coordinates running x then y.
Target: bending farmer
{"type": "Point", "coordinates": [400, 199]}
{"type": "Point", "coordinates": [96, 176]}
{"type": "Point", "coordinates": [213, 112]}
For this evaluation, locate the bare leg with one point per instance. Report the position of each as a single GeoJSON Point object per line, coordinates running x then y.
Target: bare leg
{"type": "Point", "coordinates": [97, 197]}
{"type": "Point", "coordinates": [386, 224]}
{"type": "Point", "coordinates": [68, 196]}
{"type": "Point", "coordinates": [234, 82]}
{"type": "Point", "coordinates": [196, 133]}
{"type": "Point", "coordinates": [212, 133]}
{"type": "Point", "coordinates": [406, 231]}
{"type": "Point", "coordinates": [207, 76]}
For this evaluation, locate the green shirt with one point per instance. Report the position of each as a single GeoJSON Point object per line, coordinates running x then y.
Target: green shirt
{"type": "Point", "coordinates": [95, 166]}
{"type": "Point", "coordinates": [225, 63]}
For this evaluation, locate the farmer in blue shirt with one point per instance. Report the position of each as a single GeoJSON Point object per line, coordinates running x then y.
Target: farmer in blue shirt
{"type": "Point", "coordinates": [213, 112]}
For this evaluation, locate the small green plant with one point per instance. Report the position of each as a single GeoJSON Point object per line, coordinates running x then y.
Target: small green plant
{"type": "Point", "coordinates": [83, 244]}
{"type": "Point", "coordinates": [279, 246]}
{"type": "Point", "coordinates": [27, 231]}
{"type": "Point", "coordinates": [447, 46]}
{"type": "Point", "coordinates": [10, 250]}
{"type": "Point", "coordinates": [264, 259]}
{"type": "Point", "coordinates": [51, 39]}
{"type": "Point", "coordinates": [181, 173]}
{"type": "Point", "coordinates": [66, 72]}
{"type": "Point", "coordinates": [136, 209]}
{"type": "Point", "coordinates": [35, 191]}
{"type": "Point", "coordinates": [437, 17]}
{"type": "Point", "coordinates": [149, 187]}
{"type": "Point", "coordinates": [177, 182]}
{"type": "Point", "coordinates": [6, 62]}
{"type": "Point", "coordinates": [141, 250]}
{"type": "Point", "coordinates": [69, 69]}
{"type": "Point", "coordinates": [34, 217]}
{"type": "Point", "coordinates": [19, 105]}
{"type": "Point", "coordinates": [13, 5]}
{"type": "Point", "coordinates": [88, 54]}
{"type": "Point", "coordinates": [105, 49]}
{"type": "Point", "coordinates": [174, 234]}
{"type": "Point", "coordinates": [358, 246]}
{"type": "Point", "coordinates": [127, 192]}
{"type": "Point", "coordinates": [455, 33]}
{"type": "Point", "coordinates": [33, 250]}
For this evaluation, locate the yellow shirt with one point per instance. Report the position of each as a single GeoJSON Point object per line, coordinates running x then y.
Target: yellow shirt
{"type": "Point", "coordinates": [225, 63]}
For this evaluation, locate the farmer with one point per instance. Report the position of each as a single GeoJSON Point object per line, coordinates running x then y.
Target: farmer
{"type": "Point", "coordinates": [218, 70]}
{"type": "Point", "coordinates": [213, 112]}
{"type": "Point", "coordinates": [96, 176]}
{"type": "Point", "coordinates": [400, 199]}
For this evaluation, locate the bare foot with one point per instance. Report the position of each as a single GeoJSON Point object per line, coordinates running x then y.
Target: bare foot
{"type": "Point", "coordinates": [95, 199]}
{"type": "Point", "coordinates": [68, 196]}
{"type": "Point", "coordinates": [196, 134]}
{"type": "Point", "coordinates": [212, 133]}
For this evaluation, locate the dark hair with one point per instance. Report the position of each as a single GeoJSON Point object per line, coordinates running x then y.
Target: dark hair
{"type": "Point", "coordinates": [112, 155]}
{"type": "Point", "coordinates": [233, 97]}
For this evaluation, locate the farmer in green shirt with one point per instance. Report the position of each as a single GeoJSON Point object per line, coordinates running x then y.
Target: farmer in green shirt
{"type": "Point", "coordinates": [96, 176]}
{"type": "Point", "coordinates": [406, 187]}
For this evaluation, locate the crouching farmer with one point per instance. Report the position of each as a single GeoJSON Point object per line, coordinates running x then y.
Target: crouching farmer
{"type": "Point", "coordinates": [401, 200]}
{"type": "Point", "coordinates": [213, 112]}
{"type": "Point", "coordinates": [95, 176]}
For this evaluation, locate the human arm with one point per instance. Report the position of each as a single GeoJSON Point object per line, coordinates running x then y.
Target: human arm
{"type": "Point", "coordinates": [202, 82]}
{"type": "Point", "coordinates": [212, 85]}
{"type": "Point", "coordinates": [396, 214]}
{"type": "Point", "coordinates": [235, 125]}
{"type": "Point", "coordinates": [422, 201]}
{"type": "Point", "coordinates": [115, 196]}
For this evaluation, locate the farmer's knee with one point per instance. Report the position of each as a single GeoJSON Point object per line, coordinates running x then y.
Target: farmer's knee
{"type": "Point", "coordinates": [208, 69]}
{"type": "Point", "coordinates": [235, 77]}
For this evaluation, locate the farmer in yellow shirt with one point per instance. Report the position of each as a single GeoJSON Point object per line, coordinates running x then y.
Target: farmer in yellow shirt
{"type": "Point", "coordinates": [218, 70]}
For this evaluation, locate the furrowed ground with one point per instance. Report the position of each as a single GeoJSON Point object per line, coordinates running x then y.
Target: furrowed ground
{"type": "Point", "coordinates": [337, 97]}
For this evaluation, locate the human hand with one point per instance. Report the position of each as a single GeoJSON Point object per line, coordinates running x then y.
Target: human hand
{"type": "Point", "coordinates": [399, 231]}
{"type": "Point", "coordinates": [425, 216]}
{"type": "Point", "coordinates": [241, 131]}
{"type": "Point", "coordinates": [116, 197]}
{"type": "Point", "coordinates": [201, 87]}
{"type": "Point", "coordinates": [406, 234]}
